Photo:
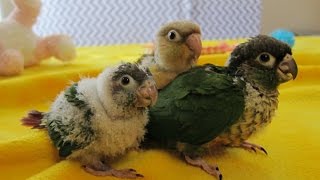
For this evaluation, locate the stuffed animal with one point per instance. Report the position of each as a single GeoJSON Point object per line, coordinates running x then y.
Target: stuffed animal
{"type": "Point", "coordinates": [20, 47]}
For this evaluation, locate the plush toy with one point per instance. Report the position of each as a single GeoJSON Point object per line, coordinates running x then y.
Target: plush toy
{"type": "Point", "coordinates": [20, 47]}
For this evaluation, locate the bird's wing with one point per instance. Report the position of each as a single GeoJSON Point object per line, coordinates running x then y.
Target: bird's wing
{"type": "Point", "coordinates": [196, 107]}
{"type": "Point", "coordinates": [63, 134]}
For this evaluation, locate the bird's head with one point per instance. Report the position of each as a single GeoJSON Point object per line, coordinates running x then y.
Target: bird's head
{"type": "Point", "coordinates": [178, 45]}
{"type": "Point", "coordinates": [264, 61]}
{"type": "Point", "coordinates": [126, 86]}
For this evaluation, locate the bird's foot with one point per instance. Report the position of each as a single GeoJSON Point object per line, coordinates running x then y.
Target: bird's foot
{"type": "Point", "coordinates": [199, 162]}
{"type": "Point", "coordinates": [253, 147]}
{"type": "Point", "coordinates": [108, 171]}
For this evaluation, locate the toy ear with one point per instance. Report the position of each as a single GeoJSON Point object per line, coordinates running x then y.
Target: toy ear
{"type": "Point", "coordinates": [22, 11]}
{"type": "Point", "coordinates": [25, 5]}
{"type": "Point", "coordinates": [6, 7]}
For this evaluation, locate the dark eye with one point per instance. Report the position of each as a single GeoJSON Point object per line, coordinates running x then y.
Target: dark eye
{"type": "Point", "coordinates": [172, 35]}
{"type": "Point", "coordinates": [125, 80]}
{"type": "Point", "coordinates": [264, 57]}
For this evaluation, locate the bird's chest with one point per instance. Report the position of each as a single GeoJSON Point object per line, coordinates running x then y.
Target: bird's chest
{"type": "Point", "coordinates": [259, 109]}
{"type": "Point", "coordinates": [119, 136]}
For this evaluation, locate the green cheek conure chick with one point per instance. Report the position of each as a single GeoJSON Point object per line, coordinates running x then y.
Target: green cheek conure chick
{"type": "Point", "coordinates": [98, 119]}
{"type": "Point", "coordinates": [177, 49]}
{"type": "Point", "coordinates": [212, 106]}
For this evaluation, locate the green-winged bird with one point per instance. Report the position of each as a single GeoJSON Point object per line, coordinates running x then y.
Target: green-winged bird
{"type": "Point", "coordinates": [210, 106]}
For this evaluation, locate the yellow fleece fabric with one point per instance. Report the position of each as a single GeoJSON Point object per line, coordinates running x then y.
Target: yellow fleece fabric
{"type": "Point", "coordinates": [292, 139]}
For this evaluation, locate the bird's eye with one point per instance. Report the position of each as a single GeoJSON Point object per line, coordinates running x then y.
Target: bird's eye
{"type": "Point", "coordinates": [125, 80]}
{"type": "Point", "coordinates": [264, 57]}
{"type": "Point", "coordinates": [173, 35]}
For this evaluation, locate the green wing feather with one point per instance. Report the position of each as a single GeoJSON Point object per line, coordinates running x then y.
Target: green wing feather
{"type": "Point", "coordinates": [196, 107]}
{"type": "Point", "coordinates": [58, 131]}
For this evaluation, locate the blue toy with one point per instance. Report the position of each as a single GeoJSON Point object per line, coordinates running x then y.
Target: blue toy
{"type": "Point", "coordinates": [284, 36]}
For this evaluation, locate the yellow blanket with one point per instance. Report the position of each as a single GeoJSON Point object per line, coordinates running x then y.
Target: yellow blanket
{"type": "Point", "coordinates": [292, 139]}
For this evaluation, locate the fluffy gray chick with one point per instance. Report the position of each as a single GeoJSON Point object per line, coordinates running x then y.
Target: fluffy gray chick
{"type": "Point", "coordinates": [98, 119]}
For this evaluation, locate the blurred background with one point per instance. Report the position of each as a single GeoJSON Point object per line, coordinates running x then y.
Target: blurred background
{"type": "Point", "coordinates": [101, 22]}
{"type": "Point", "coordinates": [301, 17]}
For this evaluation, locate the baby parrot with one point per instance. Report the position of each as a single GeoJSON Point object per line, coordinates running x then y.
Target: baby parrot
{"type": "Point", "coordinates": [98, 119]}
{"type": "Point", "coordinates": [211, 106]}
{"type": "Point", "coordinates": [177, 49]}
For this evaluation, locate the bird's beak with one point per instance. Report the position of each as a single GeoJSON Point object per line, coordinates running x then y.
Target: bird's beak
{"type": "Point", "coordinates": [287, 69]}
{"type": "Point", "coordinates": [194, 44]}
{"type": "Point", "coordinates": [147, 94]}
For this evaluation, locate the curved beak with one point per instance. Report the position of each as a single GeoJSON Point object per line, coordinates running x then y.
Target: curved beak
{"type": "Point", "coordinates": [288, 68]}
{"type": "Point", "coordinates": [194, 43]}
{"type": "Point", "coordinates": [147, 94]}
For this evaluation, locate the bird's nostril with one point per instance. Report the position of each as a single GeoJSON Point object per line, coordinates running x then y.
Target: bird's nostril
{"type": "Point", "coordinates": [150, 90]}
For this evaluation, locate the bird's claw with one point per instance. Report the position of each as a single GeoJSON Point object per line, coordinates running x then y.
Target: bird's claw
{"type": "Point", "coordinates": [212, 170]}
{"type": "Point", "coordinates": [132, 170]}
{"type": "Point", "coordinates": [122, 173]}
{"type": "Point", "coordinates": [253, 147]}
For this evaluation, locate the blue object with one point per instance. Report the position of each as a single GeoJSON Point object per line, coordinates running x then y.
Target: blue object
{"type": "Point", "coordinates": [284, 36]}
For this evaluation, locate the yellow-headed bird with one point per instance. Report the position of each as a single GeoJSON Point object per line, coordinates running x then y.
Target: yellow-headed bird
{"type": "Point", "coordinates": [177, 49]}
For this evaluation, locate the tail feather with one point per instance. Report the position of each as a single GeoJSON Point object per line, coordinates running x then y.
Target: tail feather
{"type": "Point", "coordinates": [33, 119]}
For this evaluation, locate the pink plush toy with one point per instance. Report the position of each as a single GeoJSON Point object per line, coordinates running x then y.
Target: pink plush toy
{"type": "Point", "coordinates": [20, 47]}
